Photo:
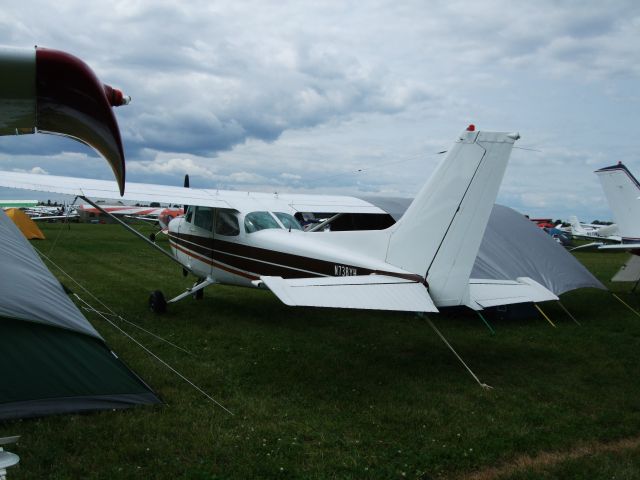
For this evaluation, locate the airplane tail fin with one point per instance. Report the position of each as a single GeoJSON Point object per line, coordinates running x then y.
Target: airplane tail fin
{"type": "Point", "coordinates": [439, 235]}
{"type": "Point", "coordinates": [576, 228]}
{"type": "Point", "coordinates": [622, 191]}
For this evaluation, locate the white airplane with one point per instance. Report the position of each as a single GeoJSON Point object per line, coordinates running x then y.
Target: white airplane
{"type": "Point", "coordinates": [589, 230]}
{"type": "Point", "coordinates": [156, 215]}
{"type": "Point", "coordinates": [49, 91]}
{"type": "Point", "coordinates": [622, 191]}
{"type": "Point", "coordinates": [420, 263]}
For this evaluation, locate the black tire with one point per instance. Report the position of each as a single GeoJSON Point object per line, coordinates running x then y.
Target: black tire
{"type": "Point", "coordinates": [157, 303]}
{"type": "Point", "coordinates": [199, 295]}
{"type": "Point", "coordinates": [152, 237]}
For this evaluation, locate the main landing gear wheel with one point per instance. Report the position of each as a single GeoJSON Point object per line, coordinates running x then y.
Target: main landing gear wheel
{"type": "Point", "coordinates": [199, 294]}
{"type": "Point", "coordinates": [157, 303]}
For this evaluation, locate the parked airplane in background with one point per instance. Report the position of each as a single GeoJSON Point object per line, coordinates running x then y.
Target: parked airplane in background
{"type": "Point", "coordinates": [594, 231]}
{"type": "Point", "coordinates": [420, 263]}
{"type": "Point", "coordinates": [49, 91]}
{"type": "Point", "coordinates": [622, 191]}
{"type": "Point", "coordinates": [157, 215]}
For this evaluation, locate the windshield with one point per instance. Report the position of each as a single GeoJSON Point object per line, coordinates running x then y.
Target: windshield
{"type": "Point", "coordinates": [289, 221]}
{"type": "Point", "coordinates": [256, 221]}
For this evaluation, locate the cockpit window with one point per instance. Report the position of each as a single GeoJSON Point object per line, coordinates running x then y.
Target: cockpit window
{"type": "Point", "coordinates": [289, 221]}
{"type": "Point", "coordinates": [204, 218]}
{"type": "Point", "coordinates": [226, 223]}
{"type": "Point", "coordinates": [255, 221]}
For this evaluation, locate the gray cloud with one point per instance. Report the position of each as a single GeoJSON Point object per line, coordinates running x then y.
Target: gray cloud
{"type": "Point", "coordinates": [301, 95]}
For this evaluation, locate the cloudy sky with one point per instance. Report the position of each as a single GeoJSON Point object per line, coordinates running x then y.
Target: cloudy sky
{"type": "Point", "coordinates": [349, 97]}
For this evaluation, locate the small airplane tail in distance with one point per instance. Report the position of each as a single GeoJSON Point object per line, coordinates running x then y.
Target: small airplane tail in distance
{"type": "Point", "coordinates": [576, 228]}
{"type": "Point", "coordinates": [439, 235]}
{"type": "Point", "coordinates": [622, 191]}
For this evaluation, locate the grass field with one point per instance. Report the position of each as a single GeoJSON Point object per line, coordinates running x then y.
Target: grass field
{"type": "Point", "coordinates": [341, 394]}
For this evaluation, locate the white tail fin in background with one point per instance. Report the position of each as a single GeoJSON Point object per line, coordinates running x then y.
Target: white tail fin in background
{"type": "Point", "coordinates": [622, 191]}
{"type": "Point", "coordinates": [576, 228]}
{"type": "Point", "coordinates": [439, 235]}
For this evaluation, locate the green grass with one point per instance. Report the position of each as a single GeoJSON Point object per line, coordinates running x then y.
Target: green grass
{"type": "Point", "coordinates": [339, 394]}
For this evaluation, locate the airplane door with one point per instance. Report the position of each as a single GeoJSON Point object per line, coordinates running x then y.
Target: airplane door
{"type": "Point", "coordinates": [197, 235]}
{"type": "Point", "coordinates": [226, 233]}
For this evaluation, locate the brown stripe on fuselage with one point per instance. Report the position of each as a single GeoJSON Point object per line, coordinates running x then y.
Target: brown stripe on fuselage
{"type": "Point", "coordinates": [270, 262]}
{"type": "Point", "coordinates": [192, 244]}
{"type": "Point", "coordinates": [214, 264]}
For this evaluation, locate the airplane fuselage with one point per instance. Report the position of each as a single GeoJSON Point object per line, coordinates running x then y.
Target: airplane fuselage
{"type": "Point", "coordinates": [243, 258]}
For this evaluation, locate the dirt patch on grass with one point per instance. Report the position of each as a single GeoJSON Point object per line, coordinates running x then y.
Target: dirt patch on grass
{"type": "Point", "coordinates": [550, 459]}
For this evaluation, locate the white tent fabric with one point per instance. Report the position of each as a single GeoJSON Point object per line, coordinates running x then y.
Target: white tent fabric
{"type": "Point", "coordinates": [514, 247]}
{"type": "Point", "coordinates": [28, 289]}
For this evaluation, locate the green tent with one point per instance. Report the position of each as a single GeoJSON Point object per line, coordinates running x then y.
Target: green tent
{"type": "Point", "coordinates": [53, 360]}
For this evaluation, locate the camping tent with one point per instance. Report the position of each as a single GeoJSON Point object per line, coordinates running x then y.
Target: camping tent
{"type": "Point", "coordinates": [27, 226]}
{"type": "Point", "coordinates": [513, 247]}
{"type": "Point", "coordinates": [53, 360]}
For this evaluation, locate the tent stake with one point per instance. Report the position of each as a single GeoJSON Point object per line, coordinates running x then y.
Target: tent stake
{"type": "Point", "coordinates": [625, 304]}
{"type": "Point", "coordinates": [493, 332]}
{"type": "Point", "coordinates": [545, 316]}
{"type": "Point", "coordinates": [483, 385]}
{"type": "Point", "coordinates": [568, 313]}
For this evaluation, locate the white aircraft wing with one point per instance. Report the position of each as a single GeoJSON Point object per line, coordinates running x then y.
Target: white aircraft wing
{"type": "Point", "coordinates": [368, 292]}
{"type": "Point", "coordinates": [621, 247]}
{"type": "Point", "coordinates": [54, 217]}
{"type": "Point", "coordinates": [145, 192]}
{"type": "Point", "coordinates": [491, 293]}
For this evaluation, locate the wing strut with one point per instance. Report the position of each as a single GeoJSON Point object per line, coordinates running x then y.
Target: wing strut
{"type": "Point", "coordinates": [135, 232]}
{"type": "Point", "coordinates": [190, 291]}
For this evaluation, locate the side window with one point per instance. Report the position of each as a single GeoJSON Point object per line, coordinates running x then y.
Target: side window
{"type": "Point", "coordinates": [226, 223]}
{"type": "Point", "coordinates": [256, 221]}
{"type": "Point", "coordinates": [204, 218]}
{"type": "Point", "coordinates": [189, 215]}
{"type": "Point", "coordinates": [289, 221]}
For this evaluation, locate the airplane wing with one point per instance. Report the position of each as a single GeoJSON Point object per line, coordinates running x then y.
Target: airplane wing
{"type": "Point", "coordinates": [54, 217]}
{"type": "Point", "coordinates": [621, 247]}
{"type": "Point", "coordinates": [368, 292]}
{"type": "Point", "coordinates": [491, 293]}
{"type": "Point", "coordinates": [145, 192]}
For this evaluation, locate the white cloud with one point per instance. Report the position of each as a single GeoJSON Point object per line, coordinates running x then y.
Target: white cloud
{"type": "Point", "coordinates": [172, 167]}
{"type": "Point", "coordinates": [36, 170]}
{"type": "Point", "coordinates": [331, 95]}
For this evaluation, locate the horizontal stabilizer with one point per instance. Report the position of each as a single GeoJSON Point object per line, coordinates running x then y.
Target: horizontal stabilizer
{"type": "Point", "coordinates": [491, 293]}
{"type": "Point", "coordinates": [621, 246]}
{"type": "Point", "coordinates": [369, 292]}
{"type": "Point", "coordinates": [587, 246]}
{"type": "Point", "coordinates": [629, 272]}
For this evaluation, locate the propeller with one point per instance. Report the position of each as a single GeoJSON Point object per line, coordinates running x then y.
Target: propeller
{"type": "Point", "coordinates": [186, 185]}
